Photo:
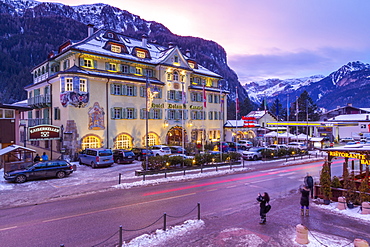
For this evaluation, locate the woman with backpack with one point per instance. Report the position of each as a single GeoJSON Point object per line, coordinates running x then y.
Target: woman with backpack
{"type": "Point", "coordinates": [264, 206]}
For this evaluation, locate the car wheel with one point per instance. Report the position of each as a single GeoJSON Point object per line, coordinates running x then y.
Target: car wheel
{"type": "Point", "coordinates": [244, 148]}
{"type": "Point", "coordinates": [139, 158]}
{"type": "Point", "coordinates": [119, 161]}
{"type": "Point", "coordinates": [61, 174]}
{"type": "Point", "coordinates": [92, 164]}
{"type": "Point", "coordinates": [157, 155]}
{"type": "Point", "coordinates": [21, 179]}
{"type": "Point", "coordinates": [255, 157]}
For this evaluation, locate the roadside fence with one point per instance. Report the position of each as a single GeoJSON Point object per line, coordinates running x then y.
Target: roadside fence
{"type": "Point", "coordinates": [165, 216]}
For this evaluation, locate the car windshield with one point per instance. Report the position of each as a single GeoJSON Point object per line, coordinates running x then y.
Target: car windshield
{"type": "Point", "coordinates": [129, 153]}
{"type": "Point", "coordinates": [165, 148]}
{"type": "Point", "coordinates": [105, 152]}
{"type": "Point", "coordinates": [30, 165]}
{"type": "Point", "coordinates": [254, 149]}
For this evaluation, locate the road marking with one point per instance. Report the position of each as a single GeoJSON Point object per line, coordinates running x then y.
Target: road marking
{"type": "Point", "coordinates": [8, 228]}
{"type": "Point", "coordinates": [109, 209]}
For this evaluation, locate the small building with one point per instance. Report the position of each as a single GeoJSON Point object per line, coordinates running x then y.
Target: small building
{"type": "Point", "coordinates": [343, 110]}
{"type": "Point", "coordinates": [357, 132]}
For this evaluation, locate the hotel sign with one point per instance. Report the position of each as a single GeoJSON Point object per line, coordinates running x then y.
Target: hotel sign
{"type": "Point", "coordinates": [43, 132]}
{"type": "Point", "coordinates": [362, 157]}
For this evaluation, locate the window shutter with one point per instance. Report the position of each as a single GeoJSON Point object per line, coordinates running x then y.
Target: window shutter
{"type": "Point", "coordinates": [124, 89]}
{"type": "Point", "coordinates": [112, 88]}
{"type": "Point", "coordinates": [160, 114]}
{"type": "Point", "coordinates": [76, 84]}
{"type": "Point", "coordinates": [210, 115]}
{"type": "Point", "coordinates": [132, 70]}
{"type": "Point", "coordinates": [199, 97]}
{"type": "Point", "coordinates": [177, 95]}
{"type": "Point", "coordinates": [112, 113]}
{"type": "Point", "coordinates": [135, 90]}
{"type": "Point", "coordinates": [135, 113]}
{"type": "Point", "coordinates": [124, 113]}
{"type": "Point", "coordinates": [177, 115]}
{"type": "Point", "coordinates": [118, 67]}
{"type": "Point", "coordinates": [142, 89]}
{"type": "Point", "coordinates": [62, 84]}
{"type": "Point", "coordinates": [95, 64]}
{"type": "Point", "coordinates": [168, 95]}
{"type": "Point", "coordinates": [151, 114]}
{"type": "Point", "coordinates": [144, 71]}
{"type": "Point", "coordinates": [159, 95]}
{"type": "Point", "coordinates": [106, 66]}
{"type": "Point", "coordinates": [81, 61]}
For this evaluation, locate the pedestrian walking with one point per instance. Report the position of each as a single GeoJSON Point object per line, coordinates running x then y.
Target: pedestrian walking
{"type": "Point", "coordinates": [305, 199]}
{"type": "Point", "coordinates": [308, 182]}
{"type": "Point", "coordinates": [37, 158]}
{"type": "Point", "coordinates": [44, 157]}
{"type": "Point", "coordinates": [264, 206]}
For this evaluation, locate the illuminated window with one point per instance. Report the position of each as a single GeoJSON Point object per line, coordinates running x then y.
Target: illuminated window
{"type": "Point", "coordinates": [152, 139]}
{"type": "Point", "coordinates": [139, 71]}
{"type": "Point", "coordinates": [140, 54]}
{"type": "Point", "coordinates": [90, 142]}
{"type": "Point", "coordinates": [83, 85]}
{"type": "Point", "coordinates": [8, 113]}
{"type": "Point", "coordinates": [123, 141]}
{"type": "Point", "coordinates": [116, 48]}
{"type": "Point", "coordinates": [176, 59]}
{"type": "Point", "coordinates": [69, 84]}
{"type": "Point", "coordinates": [169, 76]}
{"type": "Point", "coordinates": [89, 63]}
{"type": "Point", "coordinates": [112, 66]}
{"type": "Point", "coordinates": [1, 113]}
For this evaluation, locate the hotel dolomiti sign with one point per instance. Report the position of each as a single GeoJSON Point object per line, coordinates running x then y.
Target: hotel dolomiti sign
{"type": "Point", "coordinates": [43, 132]}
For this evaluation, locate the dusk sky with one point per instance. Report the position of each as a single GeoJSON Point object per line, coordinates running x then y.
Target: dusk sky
{"type": "Point", "coordinates": [267, 38]}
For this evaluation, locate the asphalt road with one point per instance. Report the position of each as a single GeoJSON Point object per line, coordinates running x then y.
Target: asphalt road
{"type": "Point", "coordinates": [89, 219]}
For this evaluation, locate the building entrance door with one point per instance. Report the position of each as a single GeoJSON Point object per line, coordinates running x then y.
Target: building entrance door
{"type": "Point", "coordinates": [174, 136]}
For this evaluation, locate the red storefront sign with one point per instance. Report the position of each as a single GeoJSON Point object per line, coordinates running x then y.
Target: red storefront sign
{"type": "Point", "coordinates": [249, 122]}
{"type": "Point", "coordinates": [43, 132]}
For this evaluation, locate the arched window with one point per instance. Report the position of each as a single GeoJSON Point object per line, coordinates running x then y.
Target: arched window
{"type": "Point", "coordinates": [152, 140]}
{"type": "Point", "coordinates": [123, 141]}
{"type": "Point", "coordinates": [90, 142]}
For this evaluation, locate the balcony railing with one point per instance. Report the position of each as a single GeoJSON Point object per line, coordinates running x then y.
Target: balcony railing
{"type": "Point", "coordinates": [39, 101]}
{"type": "Point", "coordinates": [37, 121]}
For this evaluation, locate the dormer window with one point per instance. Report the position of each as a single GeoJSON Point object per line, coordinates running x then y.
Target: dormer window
{"type": "Point", "coordinates": [88, 63]}
{"type": "Point", "coordinates": [140, 54]}
{"type": "Point", "coordinates": [111, 66]}
{"type": "Point", "coordinates": [191, 65]}
{"type": "Point", "coordinates": [116, 48]}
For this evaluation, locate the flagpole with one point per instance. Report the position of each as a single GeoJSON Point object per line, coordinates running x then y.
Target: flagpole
{"type": "Point", "coordinates": [236, 116]}
{"type": "Point", "coordinates": [204, 112]}
{"type": "Point", "coordinates": [221, 120]}
{"type": "Point", "coordinates": [182, 121]}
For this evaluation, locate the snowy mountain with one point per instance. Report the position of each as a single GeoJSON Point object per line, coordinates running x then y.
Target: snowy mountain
{"type": "Point", "coordinates": [349, 84]}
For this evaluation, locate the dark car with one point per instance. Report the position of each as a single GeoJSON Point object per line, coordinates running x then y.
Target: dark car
{"type": "Point", "coordinates": [39, 170]}
{"type": "Point", "coordinates": [123, 156]}
{"type": "Point", "coordinates": [178, 150]}
{"type": "Point", "coordinates": [140, 153]}
{"type": "Point", "coordinates": [234, 146]}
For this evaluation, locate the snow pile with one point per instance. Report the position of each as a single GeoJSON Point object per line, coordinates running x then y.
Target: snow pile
{"type": "Point", "coordinates": [351, 213]}
{"type": "Point", "coordinates": [317, 239]}
{"type": "Point", "coordinates": [161, 236]}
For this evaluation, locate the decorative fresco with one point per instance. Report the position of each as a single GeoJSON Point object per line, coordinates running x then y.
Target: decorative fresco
{"type": "Point", "coordinates": [96, 117]}
{"type": "Point", "coordinates": [74, 99]}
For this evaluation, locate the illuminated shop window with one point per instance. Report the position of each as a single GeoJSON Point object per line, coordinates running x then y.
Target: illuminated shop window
{"type": "Point", "coordinates": [123, 141]}
{"type": "Point", "coordinates": [90, 142]}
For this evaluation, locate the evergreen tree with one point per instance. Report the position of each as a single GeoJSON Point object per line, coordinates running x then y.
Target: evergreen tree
{"type": "Point", "coordinates": [278, 110]}
{"type": "Point", "coordinates": [246, 107]}
{"type": "Point", "coordinates": [263, 106]}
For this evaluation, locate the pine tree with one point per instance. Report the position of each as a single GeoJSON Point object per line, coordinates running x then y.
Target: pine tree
{"type": "Point", "coordinates": [278, 110]}
{"type": "Point", "coordinates": [325, 181]}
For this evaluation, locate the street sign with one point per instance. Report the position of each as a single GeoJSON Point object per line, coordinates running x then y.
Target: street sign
{"type": "Point", "coordinates": [43, 132]}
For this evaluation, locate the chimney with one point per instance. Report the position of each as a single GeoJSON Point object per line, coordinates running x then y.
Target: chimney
{"type": "Point", "coordinates": [170, 45]}
{"type": "Point", "coordinates": [90, 30]}
{"type": "Point", "coordinates": [187, 53]}
{"type": "Point", "coordinates": [144, 40]}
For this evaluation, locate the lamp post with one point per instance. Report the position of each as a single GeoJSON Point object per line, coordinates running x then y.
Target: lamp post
{"type": "Point", "coordinates": [149, 96]}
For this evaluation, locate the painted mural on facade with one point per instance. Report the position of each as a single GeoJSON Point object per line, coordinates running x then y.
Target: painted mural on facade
{"type": "Point", "coordinates": [74, 99]}
{"type": "Point", "coordinates": [96, 117]}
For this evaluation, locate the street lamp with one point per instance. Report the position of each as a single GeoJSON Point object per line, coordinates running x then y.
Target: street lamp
{"type": "Point", "coordinates": [149, 96]}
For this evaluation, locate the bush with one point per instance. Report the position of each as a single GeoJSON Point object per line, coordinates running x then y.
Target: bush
{"type": "Point", "coordinates": [335, 183]}
{"type": "Point", "coordinates": [364, 188]}
{"type": "Point", "coordinates": [232, 156]}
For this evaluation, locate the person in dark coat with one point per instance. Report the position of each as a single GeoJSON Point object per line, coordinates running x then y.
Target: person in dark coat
{"type": "Point", "coordinates": [308, 182]}
{"type": "Point", "coordinates": [305, 199]}
{"type": "Point", "coordinates": [37, 158]}
{"type": "Point", "coordinates": [264, 200]}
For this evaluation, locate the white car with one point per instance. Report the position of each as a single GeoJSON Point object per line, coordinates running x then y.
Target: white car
{"type": "Point", "coordinates": [277, 146]}
{"type": "Point", "coordinates": [245, 144]}
{"type": "Point", "coordinates": [254, 153]}
{"type": "Point", "coordinates": [298, 145]}
{"type": "Point", "coordinates": [160, 150]}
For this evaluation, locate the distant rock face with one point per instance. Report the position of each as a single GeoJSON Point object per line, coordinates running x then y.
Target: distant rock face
{"type": "Point", "coordinates": [207, 53]}
{"type": "Point", "coordinates": [348, 84]}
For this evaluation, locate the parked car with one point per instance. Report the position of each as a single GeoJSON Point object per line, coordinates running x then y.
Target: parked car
{"type": "Point", "coordinates": [347, 139]}
{"type": "Point", "coordinates": [178, 150]}
{"type": "Point", "coordinates": [298, 145]}
{"type": "Point", "coordinates": [225, 146]}
{"type": "Point", "coordinates": [277, 146]}
{"type": "Point", "coordinates": [140, 153]}
{"type": "Point", "coordinates": [123, 156]}
{"type": "Point", "coordinates": [245, 144]}
{"type": "Point", "coordinates": [39, 170]}
{"type": "Point", "coordinates": [253, 153]}
{"type": "Point", "coordinates": [96, 157]}
{"type": "Point", "coordinates": [233, 146]}
{"type": "Point", "coordinates": [160, 150]}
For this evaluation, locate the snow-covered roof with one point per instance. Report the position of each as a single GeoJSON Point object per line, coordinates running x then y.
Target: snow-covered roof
{"type": "Point", "coordinates": [351, 117]}
{"type": "Point", "coordinates": [14, 147]}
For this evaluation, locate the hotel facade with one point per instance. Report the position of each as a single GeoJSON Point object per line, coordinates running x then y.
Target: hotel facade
{"type": "Point", "coordinates": [113, 91]}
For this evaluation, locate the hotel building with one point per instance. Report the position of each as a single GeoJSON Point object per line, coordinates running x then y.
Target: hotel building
{"type": "Point", "coordinates": [107, 88]}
